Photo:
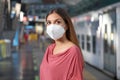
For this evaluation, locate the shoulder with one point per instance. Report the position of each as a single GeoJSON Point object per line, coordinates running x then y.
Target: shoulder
{"type": "Point", "coordinates": [76, 53]}
{"type": "Point", "coordinates": [75, 48]}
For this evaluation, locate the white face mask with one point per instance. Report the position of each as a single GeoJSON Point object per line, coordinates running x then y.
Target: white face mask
{"type": "Point", "coordinates": [55, 31]}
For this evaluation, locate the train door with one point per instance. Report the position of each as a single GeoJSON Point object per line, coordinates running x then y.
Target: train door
{"type": "Point", "coordinates": [109, 25]}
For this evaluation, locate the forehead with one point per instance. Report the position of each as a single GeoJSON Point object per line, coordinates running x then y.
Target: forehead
{"type": "Point", "coordinates": [53, 16]}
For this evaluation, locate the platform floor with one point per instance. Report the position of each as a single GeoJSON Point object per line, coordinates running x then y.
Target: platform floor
{"type": "Point", "coordinates": [24, 64]}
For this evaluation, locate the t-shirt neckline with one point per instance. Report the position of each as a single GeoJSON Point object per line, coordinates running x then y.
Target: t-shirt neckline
{"type": "Point", "coordinates": [60, 53]}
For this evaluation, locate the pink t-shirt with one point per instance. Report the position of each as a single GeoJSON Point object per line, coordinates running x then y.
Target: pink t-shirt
{"type": "Point", "coordinates": [67, 65]}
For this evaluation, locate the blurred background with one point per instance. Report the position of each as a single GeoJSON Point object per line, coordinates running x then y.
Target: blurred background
{"type": "Point", "coordinates": [23, 39]}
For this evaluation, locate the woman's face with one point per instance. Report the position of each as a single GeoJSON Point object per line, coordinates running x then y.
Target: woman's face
{"type": "Point", "coordinates": [54, 18]}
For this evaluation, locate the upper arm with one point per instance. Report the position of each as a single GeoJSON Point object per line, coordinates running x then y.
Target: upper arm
{"type": "Point", "coordinates": [77, 67]}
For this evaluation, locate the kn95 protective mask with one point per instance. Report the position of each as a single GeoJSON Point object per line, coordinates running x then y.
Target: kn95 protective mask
{"type": "Point", "coordinates": [55, 31]}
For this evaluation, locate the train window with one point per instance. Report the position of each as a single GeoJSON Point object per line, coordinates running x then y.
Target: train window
{"type": "Point", "coordinates": [94, 44]}
{"type": "Point", "coordinates": [78, 36]}
{"type": "Point", "coordinates": [95, 25]}
{"type": "Point", "coordinates": [112, 47]}
{"type": "Point", "coordinates": [113, 27]}
{"type": "Point", "coordinates": [82, 40]}
{"type": "Point", "coordinates": [105, 28]}
{"type": "Point", "coordinates": [81, 24]}
{"type": "Point", "coordinates": [88, 43]}
{"type": "Point", "coordinates": [105, 46]}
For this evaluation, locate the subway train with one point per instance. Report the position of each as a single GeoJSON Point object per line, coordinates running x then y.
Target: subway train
{"type": "Point", "coordinates": [98, 32]}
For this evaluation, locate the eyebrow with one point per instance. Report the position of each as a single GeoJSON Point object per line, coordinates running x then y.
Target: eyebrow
{"type": "Point", "coordinates": [55, 19]}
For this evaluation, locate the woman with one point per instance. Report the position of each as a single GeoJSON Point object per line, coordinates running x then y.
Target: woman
{"type": "Point", "coordinates": [63, 59]}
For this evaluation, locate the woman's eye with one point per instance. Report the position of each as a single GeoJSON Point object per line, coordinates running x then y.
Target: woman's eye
{"type": "Point", "coordinates": [48, 22]}
{"type": "Point", "coordinates": [58, 22]}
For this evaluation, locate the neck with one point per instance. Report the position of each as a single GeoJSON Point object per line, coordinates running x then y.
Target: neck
{"type": "Point", "coordinates": [61, 41]}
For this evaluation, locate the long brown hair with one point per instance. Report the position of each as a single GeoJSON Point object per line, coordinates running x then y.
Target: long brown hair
{"type": "Point", "coordinates": [70, 33]}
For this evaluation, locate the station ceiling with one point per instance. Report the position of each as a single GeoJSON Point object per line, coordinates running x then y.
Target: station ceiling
{"type": "Point", "coordinates": [76, 7]}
